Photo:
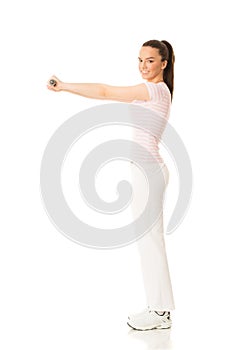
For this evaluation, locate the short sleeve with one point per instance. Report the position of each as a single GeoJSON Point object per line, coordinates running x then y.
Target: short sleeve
{"type": "Point", "coordinates": [156, 91]}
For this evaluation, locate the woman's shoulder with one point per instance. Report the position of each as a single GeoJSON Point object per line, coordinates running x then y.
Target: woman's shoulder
{"type": "Point", "coordinates": [161, 85]}
{"type": "Point", "coordinates": [158, 91]}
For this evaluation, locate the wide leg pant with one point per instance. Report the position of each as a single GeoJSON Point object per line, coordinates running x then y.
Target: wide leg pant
{"type": "Point", "coordinates": [151, 245]}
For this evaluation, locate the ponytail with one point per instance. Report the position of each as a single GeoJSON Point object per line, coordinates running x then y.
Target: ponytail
{"type": "Point", "coordinates": [168, 74]}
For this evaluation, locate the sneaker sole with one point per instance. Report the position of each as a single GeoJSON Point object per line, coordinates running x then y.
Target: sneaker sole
{"type": "Point", "coordinates": [149, 329]}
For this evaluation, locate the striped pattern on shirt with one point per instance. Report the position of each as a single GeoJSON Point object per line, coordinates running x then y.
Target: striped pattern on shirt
{"type": "Point", "coordinates": [151, 128]}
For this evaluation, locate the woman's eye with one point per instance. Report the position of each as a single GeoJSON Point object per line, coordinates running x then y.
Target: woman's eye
{"type": "Point", "coordinates": [150, 61]}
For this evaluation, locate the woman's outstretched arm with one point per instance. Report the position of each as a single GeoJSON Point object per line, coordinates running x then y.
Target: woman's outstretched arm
{"type": "Point", "coordinates": [102, 91]}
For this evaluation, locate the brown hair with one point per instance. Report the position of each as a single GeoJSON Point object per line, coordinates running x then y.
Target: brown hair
{"type": "Point", "coordinates": [167, 53]}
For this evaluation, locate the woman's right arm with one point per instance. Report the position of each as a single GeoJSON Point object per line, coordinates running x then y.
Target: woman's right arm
{"type": "Point", "coordinates": [102, 91]}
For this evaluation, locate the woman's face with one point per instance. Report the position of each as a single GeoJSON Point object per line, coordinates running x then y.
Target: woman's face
{"type": "Point", "coordinates": [150, 65]}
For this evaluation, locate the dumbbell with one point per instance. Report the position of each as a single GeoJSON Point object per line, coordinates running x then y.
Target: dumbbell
{"type": "Point", "coordinates": [53, 82]}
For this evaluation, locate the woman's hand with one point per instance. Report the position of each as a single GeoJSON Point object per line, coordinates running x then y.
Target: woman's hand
{"type": "Point", "coordinates": [54, 84]}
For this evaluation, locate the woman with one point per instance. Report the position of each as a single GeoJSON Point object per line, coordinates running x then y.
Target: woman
{"type": "Point", "coordinates": [156, 65]}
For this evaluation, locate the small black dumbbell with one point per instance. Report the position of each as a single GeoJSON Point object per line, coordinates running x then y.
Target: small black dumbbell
{"type": "Point", "coordinates": [53, 82]}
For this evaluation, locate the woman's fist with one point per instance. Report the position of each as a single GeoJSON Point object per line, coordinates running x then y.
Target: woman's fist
{"type": "Point", "coordinates": [54, 84]}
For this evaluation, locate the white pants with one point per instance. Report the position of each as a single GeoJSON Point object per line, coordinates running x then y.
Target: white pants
{"type": "Point", "coordinates": [151, 245]}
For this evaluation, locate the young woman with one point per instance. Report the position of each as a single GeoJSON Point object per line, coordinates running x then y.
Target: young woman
{"type": "Point", "coordinates": [156, 65]}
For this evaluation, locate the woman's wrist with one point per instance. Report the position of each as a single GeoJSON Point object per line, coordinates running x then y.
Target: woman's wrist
{"type": "Point", "coordinates": [63, 86]}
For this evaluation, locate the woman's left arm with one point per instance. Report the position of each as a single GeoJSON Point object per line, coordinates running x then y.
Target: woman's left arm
{"type": "Point", "coordinates": [102, 91]}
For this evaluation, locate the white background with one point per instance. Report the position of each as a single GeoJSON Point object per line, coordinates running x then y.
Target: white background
{"type": "Point", "coordinates": [56, 294]}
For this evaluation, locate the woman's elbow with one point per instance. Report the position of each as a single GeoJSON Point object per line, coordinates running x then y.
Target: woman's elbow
{"type": "Point", "coordinates": [104, 91]}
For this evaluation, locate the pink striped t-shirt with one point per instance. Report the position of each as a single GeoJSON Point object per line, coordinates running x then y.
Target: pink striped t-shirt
{"type": "Point", "coordinates": [160, 102]}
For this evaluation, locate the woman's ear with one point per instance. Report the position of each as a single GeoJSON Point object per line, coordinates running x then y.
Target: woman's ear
{"type": "Point", "coordinates": [164, 64]}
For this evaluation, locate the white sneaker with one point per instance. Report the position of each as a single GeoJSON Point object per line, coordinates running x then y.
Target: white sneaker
{"type": "Point", "coordinates": [149, 319]}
